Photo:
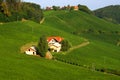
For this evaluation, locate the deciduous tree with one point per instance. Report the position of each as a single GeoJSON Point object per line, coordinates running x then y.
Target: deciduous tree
{"type": "Point", "coordinates": [65, 45]}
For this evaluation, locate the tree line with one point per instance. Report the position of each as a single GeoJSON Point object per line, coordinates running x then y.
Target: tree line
{"type": "Point", "coordinates": [16, 10]}
{"type": "Point", "coordinates": [70, 8]}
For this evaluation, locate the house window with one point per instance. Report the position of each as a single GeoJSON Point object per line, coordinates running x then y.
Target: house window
{"type": "Point", "coordinates": [33, 53]}
{"type": "Point", "coordinates": [55, 50]}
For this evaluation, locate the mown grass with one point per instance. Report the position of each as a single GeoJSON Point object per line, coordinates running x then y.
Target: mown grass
{"type": "Point", "coordinates": [80, 20]}
{"type": "Point", "coordinates": [32, 68]}
{"type": "Point", "coordinates": [103, 37]}
{"type": "Point", "coordinates": [17, 66]}
{"type": "Point", "coordinates": [98, 55]}
{"type": "Point", "coordinates": [88, 26]}
{"type": "Point", "coordinates": [82, 24]}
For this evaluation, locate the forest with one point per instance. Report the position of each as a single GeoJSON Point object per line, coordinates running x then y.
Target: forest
{"type": "Point", "coordinates": [16, 10]}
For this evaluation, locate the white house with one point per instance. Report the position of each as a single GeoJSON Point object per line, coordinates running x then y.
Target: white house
{"type": "Point", "coordinates": [54, 43]}
{"type": "Point", "coordinates": [31, 51]}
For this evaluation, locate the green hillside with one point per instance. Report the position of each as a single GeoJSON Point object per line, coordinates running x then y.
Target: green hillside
{"type": "Point", "coordinates": [70, 25]}
{"type": "Point", "coordinates": [109, 13]}
{"type": "Point", "coordinates": [102, 35]}
{"type": "Point", "coordinates": [80, 23]}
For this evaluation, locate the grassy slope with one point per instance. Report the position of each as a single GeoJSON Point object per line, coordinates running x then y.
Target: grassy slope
{"type": "Point", "coordinates": [14, 65]}
{"type": "Point", "coordinates": [97, 54]}
{"type": "Point", "coordinates": [110, 13]}
{"type": "Point", "coordinates": [77, 21]}
{"type": "Point", "coordinates": [80, 20]}
{"type": "Point", "coordinates": [102, 51]}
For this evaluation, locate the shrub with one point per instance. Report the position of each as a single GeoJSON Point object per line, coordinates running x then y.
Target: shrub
{"type": "Point", "coordinates": [65, 45]}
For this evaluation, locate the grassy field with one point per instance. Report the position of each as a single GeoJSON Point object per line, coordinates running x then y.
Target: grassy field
{"type": "Point", "coordinates": [97, 54]}
{"type": "Point", "coordinates": [102, 52]}
{"type": "Point", "coordinates": [82, 24]}
{"type": "Point", "coordinates": [18, 66]}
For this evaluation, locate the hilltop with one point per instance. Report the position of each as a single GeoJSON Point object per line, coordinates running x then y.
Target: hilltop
{"type": "Point", "coordinates": [109, 13]}
{"type": "Point", "coordinates": [80, 63]}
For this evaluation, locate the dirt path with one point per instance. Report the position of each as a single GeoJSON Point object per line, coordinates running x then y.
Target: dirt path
{"type": "Point", "coordinates": [42, 20]}
{"type": "Point", "coordinates": [79, 46]}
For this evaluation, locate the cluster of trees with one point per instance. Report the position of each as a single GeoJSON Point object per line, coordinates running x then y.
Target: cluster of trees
{"type": "Point", "coordinates": [84, 9]}
{"type": "Point", "coordinates": [109, 13]}
{"type": "Point", "coordinates": [6, 6]}
{"type": "Point", "coordinates": [14, 10]}
{"type": "Point", "coordinates": [70, 8]}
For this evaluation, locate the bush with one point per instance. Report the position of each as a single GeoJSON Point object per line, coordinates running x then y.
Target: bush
{"type": "Point", "coordinates": [65, 45]}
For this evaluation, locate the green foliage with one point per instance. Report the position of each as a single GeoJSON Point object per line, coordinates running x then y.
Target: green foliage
{"type": "Point", "coordinates": [84, 9]}
{"type": "Point", "coordinates": [65, 45]}
{"type": "Point", "coordinates": [109, 13]}
{"type": "Point", "coordinates": [72, 8]}
{"type": "Point", "coordinates": [42, 46]}
{"type": "Point", "coordinates": [15, 10]}
{"type": "Point", "coordinates": [4, 9]}
{"type": "Point", "coordinates": [3, 17]}
{"type": "Point", "coordinates": [55, 8]}
{"type": "Point", "coordinates": [13, 5]}
{"type": "Point", "coordinates": [32, 12]}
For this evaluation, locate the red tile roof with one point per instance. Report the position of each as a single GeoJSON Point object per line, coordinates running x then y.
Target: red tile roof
{"type": "Point", "coordinates": [57, 38]}
{"type": "Point", "coordinates": [75, 7]}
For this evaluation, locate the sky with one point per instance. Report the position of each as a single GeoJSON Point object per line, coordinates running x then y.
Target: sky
{"type": "Point", "coordinates": [92, 4]}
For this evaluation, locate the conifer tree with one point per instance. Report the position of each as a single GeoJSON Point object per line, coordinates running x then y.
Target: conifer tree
{"type": "Point", "coordinates": [42, 46]}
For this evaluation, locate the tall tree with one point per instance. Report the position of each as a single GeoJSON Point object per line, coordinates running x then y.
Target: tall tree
{"type": "Point", "coordinates": [42, 46]}
{"type": "Point", "coordinates": [5, 9]}
{"type": "Point", "coordinates": [15, 10]}
{"type": "Point", "coordinates": [13, 4]}
{"type": "Point", "coordinates": [1, 4]}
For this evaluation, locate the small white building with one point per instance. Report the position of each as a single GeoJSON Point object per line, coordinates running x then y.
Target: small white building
{"type": "Point", "coordinates": [31, 51]}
